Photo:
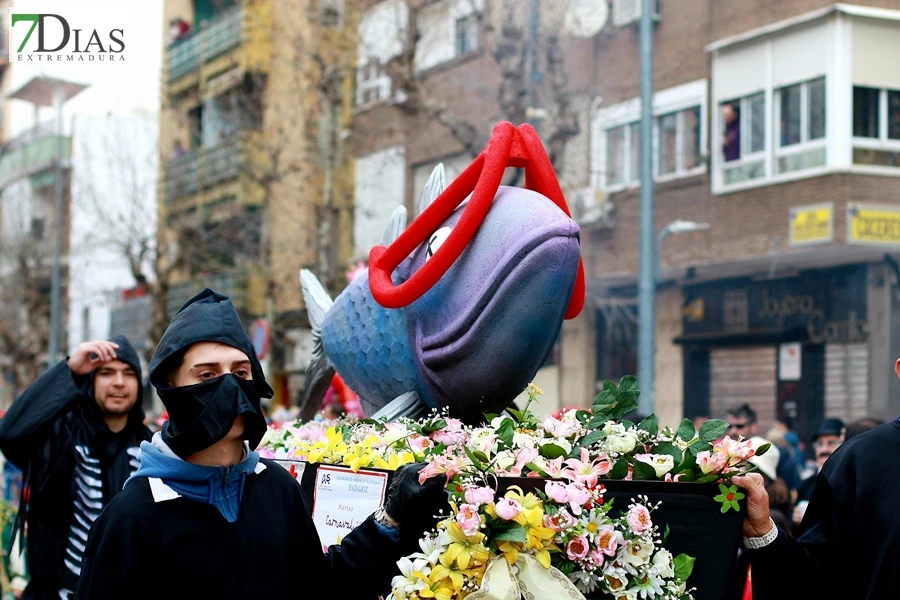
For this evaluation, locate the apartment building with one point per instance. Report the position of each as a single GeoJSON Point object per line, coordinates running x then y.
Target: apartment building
{"type": "Point", "coordinates": [255, 184]}
{"type": "Point", "coordinates": [776, 136]}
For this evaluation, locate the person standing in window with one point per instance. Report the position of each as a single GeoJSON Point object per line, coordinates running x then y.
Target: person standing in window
{"type": "Point", "coordinates": [731, 139]}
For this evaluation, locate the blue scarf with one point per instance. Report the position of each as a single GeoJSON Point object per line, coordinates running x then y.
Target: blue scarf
{"type": "Point", "coordinates": [222, 487]}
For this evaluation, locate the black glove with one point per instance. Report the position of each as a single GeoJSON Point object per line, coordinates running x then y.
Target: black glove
{"type": "Point", "coordinates": [416, 507]}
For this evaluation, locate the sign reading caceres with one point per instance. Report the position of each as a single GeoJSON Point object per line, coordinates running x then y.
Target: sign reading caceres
{"type": "Point", "coordinates": [873, 225]}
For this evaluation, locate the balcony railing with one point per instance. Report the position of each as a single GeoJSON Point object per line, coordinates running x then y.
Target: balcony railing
{"type": "Point", "coordinates": [201, 169]}
{"type": "Point", "coordinates": [219, 36]}
{"type": "Point", "coordinates": [31, 152]}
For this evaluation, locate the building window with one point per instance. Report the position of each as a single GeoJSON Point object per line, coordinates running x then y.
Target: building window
{"type": "Point", "coordinates": [332, 12]}
{"type": "Point", "coordinates": [465, 34]}
{"type": "Point", "coordinates": [372, 84]}
{"type": "Point", "coordinates": [679, 142]}
{"type": "Point", "coordinates": [744, 138]}
{"type": "Point", "coordinates": [800, 120]}
{"type": "Point", "coordinates": [876, 127]}
{"type": "Point", "coordinates": [623, 155]}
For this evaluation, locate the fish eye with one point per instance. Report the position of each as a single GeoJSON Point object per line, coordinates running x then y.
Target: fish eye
{"type": "Point", "coordinates": [437, 240]}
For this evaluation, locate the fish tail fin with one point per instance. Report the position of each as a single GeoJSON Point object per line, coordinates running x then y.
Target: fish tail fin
{"type": "Point", "coordinates": [320, 370]}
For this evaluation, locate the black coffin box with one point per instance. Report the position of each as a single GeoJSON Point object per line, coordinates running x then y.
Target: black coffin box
{"type": "Point", "coordinates": [697, 526]}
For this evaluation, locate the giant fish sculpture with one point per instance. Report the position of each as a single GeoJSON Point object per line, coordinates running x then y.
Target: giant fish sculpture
{"type": "Point", "coordinates": [462, 308]}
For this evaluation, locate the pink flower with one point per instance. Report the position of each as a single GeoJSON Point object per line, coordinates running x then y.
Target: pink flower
{"type": "Point", "coordinates": [676, 478]}
{"type": "Point", "coordinates": [553, 468]}
{"type": "Point", "coordinates": [523, 457]}
{"type": "Point", "coordinates": [556, 491]}
{"type": "Point", "coordinates": [451, 434]}
{"type": "Point", "coordinates": [711, 463]}
{"type": "Point", "coordinates": [561, 429]}
{"type": "Point", "coordinates": [508, 509]}
{"type": "Point", "coordinates": [265, 453]}
{"type": "Point", "coordinates": [560, 521]}
{"type": "Point", "coordinates": [479, 495]}
{"type": "Point", "coordinates": [441, 465]}
{"type": "Point", "coordinates": [587, 471]}
{"type": "Point", "coordinates": [577, 548]}
{"type": "Point", "coordinates": [419, 443]}
{"type": "Point", "coordinates": [578, 496]}
{"type": "Point", "coordinates": [608, 540]}
{"type": "Point", "coordinates": [468, 519]}
{"type": "Point", "coordinates": [597, 557]}
{"type": "Point", "coordinates": [639, 519]}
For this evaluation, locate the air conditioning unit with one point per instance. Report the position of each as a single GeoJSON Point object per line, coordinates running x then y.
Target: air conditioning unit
{"type": "Point", "coordinates": [591, 208]}
{"type": "Point", "coordinates": [626, 12]}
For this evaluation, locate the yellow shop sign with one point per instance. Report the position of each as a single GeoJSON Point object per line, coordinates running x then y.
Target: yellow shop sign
{"type": "Point", "coordinates": [811, 224]}
{"type": "Point", "coordinates": [873, 225]}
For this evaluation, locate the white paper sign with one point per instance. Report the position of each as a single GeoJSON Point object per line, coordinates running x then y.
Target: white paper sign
{"type": "Point", "coordinates": [344, 499]}
{"type": "Point", "coordinates": [789, 362]}
{"type": "Point", "coordinates": [294, 467]}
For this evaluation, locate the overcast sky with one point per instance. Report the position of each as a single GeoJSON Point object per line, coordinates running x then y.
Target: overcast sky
{"type": "Point", "coordinates": [116, 88]}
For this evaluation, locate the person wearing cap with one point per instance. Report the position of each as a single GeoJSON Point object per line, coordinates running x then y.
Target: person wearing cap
{"type": "Point", "coordinates": [849, 548]}
{"type": "Point", "coordinates": [75, 434]}
{"type": "Point", "coordinates": [206, 517]}
{"type": "Point", "coordinates": [827, 439]}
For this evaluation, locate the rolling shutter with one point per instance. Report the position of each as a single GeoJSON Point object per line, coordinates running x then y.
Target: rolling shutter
{"type": "Point", "coordinates": [739, 375]}
{"type": "Point", "coordinates": [846, 381]}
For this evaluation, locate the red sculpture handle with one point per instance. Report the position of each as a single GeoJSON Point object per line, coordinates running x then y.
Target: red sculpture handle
{"type": "Point", "coordinates": [508, 146]}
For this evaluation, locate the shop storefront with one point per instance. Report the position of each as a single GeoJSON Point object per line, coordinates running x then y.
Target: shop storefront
{"type": "Point", "coordinates": [794, 348]}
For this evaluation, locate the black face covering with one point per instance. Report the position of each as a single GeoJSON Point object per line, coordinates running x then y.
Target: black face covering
{"type": "Point", "coordinates": [202, 414]}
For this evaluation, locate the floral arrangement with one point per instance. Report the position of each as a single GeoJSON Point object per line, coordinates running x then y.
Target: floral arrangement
{"type": "Point", "coordinates": [562, 539]}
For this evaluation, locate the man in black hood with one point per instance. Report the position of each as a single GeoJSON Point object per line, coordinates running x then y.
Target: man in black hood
{"type": "Point", "coordinates": [206, 517]}
{"type": "Point", "coordinates": [75, 434]}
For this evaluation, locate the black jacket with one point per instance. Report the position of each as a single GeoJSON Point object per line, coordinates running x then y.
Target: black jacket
{"type": "Point", "coordinates": [851, 527]}
{"type": "Point", "coordinates": [147, 547]}
{"type": "Point", "coordinates": [73, 464]}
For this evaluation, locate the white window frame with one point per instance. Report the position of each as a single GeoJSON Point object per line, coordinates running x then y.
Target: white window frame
{"type": "Point", "coordinates": [882, 142]}
{"type": "Point", "coordinates": [671, 100]}
{"type": "Point", "coordinates": [473, 14]}
{"type": "Point", "coordinates": [680, 132]}
{"type": "Point", "coordinates": [805, 144]}
{"type": "Point", "coordinates": [381, 82]}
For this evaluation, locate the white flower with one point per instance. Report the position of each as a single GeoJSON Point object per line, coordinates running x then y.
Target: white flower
{"type": "Point", "coordinates": [432, 548]}
{"type": "Point", "coordinates": [584, 581]}
{"type": "Point", "coordinates": [662, 560]}
{"type": "Point", "coordinates": [613, 428]}
{"type": "Point", "coordinates": [614, 579]}
{"type": "Point", "coordinates": [650, 585]}
{"type": "Point", "coordinates": [484, 440]}
{"type": "Point", "coordinates": [622, 443]}
{"type": "Point", "coordinates": [496, 422]}
{"type": "Point", "coordinates": [394, 434]}
{"type": "Point", "coordinates": [505, 460]}
{"type": "Point", "coordinates": [524, 440]}
{"type": "Point", "coordinates": [636, 554]}
{"type": "Point", "coordinates": [661, 463]}
{"type": "Point", "coordinates": [562, 429]}
{"type": "Point", "coordinates": [407, 582]}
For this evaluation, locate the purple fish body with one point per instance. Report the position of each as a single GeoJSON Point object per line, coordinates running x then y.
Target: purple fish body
{"type": "Point", "coordinates": [475, 340]}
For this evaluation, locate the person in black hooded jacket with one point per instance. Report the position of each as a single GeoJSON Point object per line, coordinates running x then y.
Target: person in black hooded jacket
{"type": "Point", "coordinates": [75, 433]}
{"type": "Point", "coordinates": [206, 517]}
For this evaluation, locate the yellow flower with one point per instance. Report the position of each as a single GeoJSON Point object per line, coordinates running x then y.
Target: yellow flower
{"type": "Point", "coordinates": [465, 549]}
{"type": "Point", "coordinates": [528, 501]}
{"type": "Point", "coordinates": [510, 552]}
{"type": "Point", "coordinates": [535, 390]}
{"type": "Point", "coordinates": [394, 460]}
{"type": "Point", "coordinates": [439, 589]}
{"type": "Point", "coordinates": [445, 570]}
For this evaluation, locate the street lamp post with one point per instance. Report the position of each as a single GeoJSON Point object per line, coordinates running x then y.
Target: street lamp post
{"type": "Point", "coordinates": [674, 227]}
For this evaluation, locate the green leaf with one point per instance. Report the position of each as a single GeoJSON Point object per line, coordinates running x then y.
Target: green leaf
{"type": "Point", "coordinates": [434, 426]}
{"type": "Point", "coordinates": [686, 465]}
{"type": "Point", "coordinates": [698, 448]}
{"type": "Point", "coordinates": [650, 425]}
{"type": "Point", "coordinates": [625, 403]}
{"type": "Point", "coordinates": [506, 431]}
{"type": "Point", "coordinates": [551, 451]}
{"type": "Point", "coordinates": [619, 470]}
{"type": "Point", "coordinates": [713, 430]}
{"type": "Point", "coordinates": [686, 430]}
{"type": "Point", "coordinates": [515, 533]}
{"type": "Point", "coordinates": [488, 417]}
{"type": "Point", "coordinates": [763, 449]}
{"type": "Point", "coordinates": [566, 566]}
{"type": "Point", "coordinates": [665, 534]}
{"type": "Point", "coordinates": [598, 421]}
{"type": "Point", "coordinates": [438, 449]}
{"type": "Point", "coordinates": [684, 566]}
{"type": "Point", "coordinates": [516, 413]}
{"type": "Point", "coordinates": [592, 438]}
{"type": "Point", "coordinates": [670, 449]}
{"type": "Point", "coordinates": [475, 460]}
{"type": "Point", "coordinates": [643, 471]}
{"type": "Point", "coordinates": [629, 384]}
{"type": "Point", "coordinates": [583, 416]}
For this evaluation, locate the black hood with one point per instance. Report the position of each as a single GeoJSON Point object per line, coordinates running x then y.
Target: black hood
{"type": "Point", "coordinates": [127, 354]}
{"type": "Point", "coordinates": [207, 317]}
